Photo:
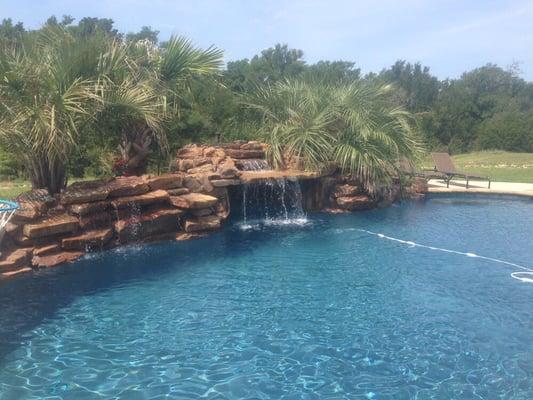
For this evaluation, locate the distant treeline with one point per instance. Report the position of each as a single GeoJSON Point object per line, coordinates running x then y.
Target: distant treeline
{"type": "Point", "coordinates": [486, 108]}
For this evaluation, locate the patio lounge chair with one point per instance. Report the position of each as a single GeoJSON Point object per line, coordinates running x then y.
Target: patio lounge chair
{"type": "Point", "coordinates": [405, 167]}
{"type": "Point", "coordinates": [444, 164]}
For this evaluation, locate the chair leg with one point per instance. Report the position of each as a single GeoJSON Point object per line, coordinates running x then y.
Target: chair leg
{"type": "Point", "coordinates": [467, 182]}
{"type": "Point", "coordinates": [489, 183]}
{"type": "Point", "coordinates": [448, 182]}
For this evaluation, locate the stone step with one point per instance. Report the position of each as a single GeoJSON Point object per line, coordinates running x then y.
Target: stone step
{"type": "Point", "coordinates": [18, 271]}
{"type": "Point", "coordinates": [127, 186]}
{"type": "Point", "coordinates": [52, 226]}
{"type": "Point", "coordinates": [48, 249]}
{"type": "Point", "coordinates": [225, 182]}
{"type": "Point", "coordinates": [16, 259]}
{"type": "Point", "coordinates": [193, 201]}
{"type": "Point", "coordinates": [353, 203]}
{"type": "Point", "coordinates": [197, 224]}
{"type": "Point", "coordinates": [85, 192]}
{"type": "Point", "coordinates": [152, 223]}
{"type": "Point", "coordinates": [95, 239]}
{"type": "Point", "coordinates": [55, 259]}
{"type": "Point", "coordinates": [89, 208]}
{"type": "Point", "coordinates": [155, 197]}
{"type": "Point", "coordinates": [165, 181]}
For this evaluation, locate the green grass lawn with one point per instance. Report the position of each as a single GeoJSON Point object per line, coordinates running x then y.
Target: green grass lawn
{"type": "Point", "coordinates": [500, 166]}
{"type": "Point", "coordinates": [11, 189]}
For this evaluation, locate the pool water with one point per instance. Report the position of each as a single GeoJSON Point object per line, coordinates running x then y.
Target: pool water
{"type": "Point", "coordinates": [323, 310]}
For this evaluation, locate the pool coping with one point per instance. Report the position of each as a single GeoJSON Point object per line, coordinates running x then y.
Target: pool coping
{"type": "Point", "coordinates": [497, 188]}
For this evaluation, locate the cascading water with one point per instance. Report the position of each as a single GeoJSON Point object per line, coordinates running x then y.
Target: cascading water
{"type": "Point", "coordinates": [272, 202]}
{"type": "Point", "coordinates": [133, 217]}
{"type": "Point", "coordinates": [254, 165]}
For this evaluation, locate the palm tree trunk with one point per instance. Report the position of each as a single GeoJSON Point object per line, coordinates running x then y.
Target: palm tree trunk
{"type": "Point", "coordinates": [46, 174]}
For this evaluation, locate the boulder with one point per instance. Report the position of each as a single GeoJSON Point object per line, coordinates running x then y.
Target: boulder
{"type": "Point", "coordinates": [96, 220]}
{"type": "Point", "coordinates": [345, 190]}
{"type": "Point", "coordinates": [165, 181]}
{"type": "Point", "coordinates": [25, 214]}
{"type": "Point", "coordinates": [252, 145]}
{"type": "Point", "coordinates": [43, 250]}
{"type": "Point", "coordinates": [152, 223]}
{"type": "Point", "coordinates": [185, 165]}
{"type": "Point", "coordinates": [204, 169]}
{"type": "Point", "coordinates": [245, 154]}
{"type": "Point", "coordinates": [12, 229]}
{"type": "Point", "coordinates": [214, 152]}
{"type": "Point", "coordinates": [420, 185]}
{"type": "Point", "coordinates": [52, 226]}
{"type": "Point", "coordinates": [197, 224]}
{"type": "Point", "coordinates": [198, 183]}
{"type": "Point", "coordinates": [20, 239]}
{"type": "Point", "coordinates": [89, 208]}
{"type": "Point", "coordinates": [178, 192]}
{"type": "Point", "coordinates": [353, 203]}
{"type": "Point", "coordinates": [16, 259]}
{"type": "Point", "coordinates": [188, 236]}
{"type": "Point", "coordinates": [32, 205]}
{"type": "Point", "coordinates": [127, 186]}
{"type": "Point", "coordinates": [202, 212]}
{"type": "Point", "coordinates": [225, 182]}
{"type": "Point", "coordinates": [193, 201]}
{"type": "Point", "coordinates": [14, 272]}
{"type": "Point", "coordinates": [85, 192]}
{"type": "Point", "coordinates": [190, 151]}
{"type": "Point", "coordinates": [155, 197]}
{"type": "Point", "coordinates": [55, 259]}
{"type": "Point", "coordinates": [227, 169]}
{"type": "Point", "coordinates": [96, 239]}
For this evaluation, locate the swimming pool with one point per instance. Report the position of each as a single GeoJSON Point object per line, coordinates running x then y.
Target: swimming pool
{"type": "Point", "coordinates": [345, 306]}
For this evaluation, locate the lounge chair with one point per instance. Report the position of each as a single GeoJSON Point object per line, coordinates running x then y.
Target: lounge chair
{"type": "Point", "coordinates": [444, 164]}
{"type": "Point", "coordinates": [407, 168]}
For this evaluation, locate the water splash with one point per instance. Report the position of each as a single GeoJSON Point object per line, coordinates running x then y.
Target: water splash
{"type": "Point", "coordinates": [524, 276]}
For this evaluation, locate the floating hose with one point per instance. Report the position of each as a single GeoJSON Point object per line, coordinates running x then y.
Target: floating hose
{"type": "Point", "coordinates": [524, 276]}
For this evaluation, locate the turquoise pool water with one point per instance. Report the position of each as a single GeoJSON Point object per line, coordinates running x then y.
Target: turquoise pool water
{"type": "Point", "coordinates": [323, 310]}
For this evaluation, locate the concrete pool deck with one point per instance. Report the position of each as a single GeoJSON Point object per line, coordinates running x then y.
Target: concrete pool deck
{"type": "Point", "coordinates": [511, 188]}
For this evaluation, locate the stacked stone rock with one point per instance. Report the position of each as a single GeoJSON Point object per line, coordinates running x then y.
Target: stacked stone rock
{"type": "Point", "coordinates": [95, 215]}
{"type": "Point", "coordinates": [188, 202]}
{"type": "Point", "coordinates": [348, 196]}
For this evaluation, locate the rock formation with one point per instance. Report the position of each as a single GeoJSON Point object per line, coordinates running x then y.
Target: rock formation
{"type": "Point", "coordinates": [186, 203]}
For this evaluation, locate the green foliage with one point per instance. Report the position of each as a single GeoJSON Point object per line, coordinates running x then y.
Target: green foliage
{"type": "Point", "coordinates": [354, 125]}
{"type": "Point", "coordinates": [486, 108]}
{"type": "Point", "coordinates": [75, 92]}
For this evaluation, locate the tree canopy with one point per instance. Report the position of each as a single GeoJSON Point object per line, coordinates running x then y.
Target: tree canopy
{"type": "Point", "coordinates": [132, 90]}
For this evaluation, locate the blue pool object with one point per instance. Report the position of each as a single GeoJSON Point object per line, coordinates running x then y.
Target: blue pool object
{"type": "Point", "coordinates": [322, 310]}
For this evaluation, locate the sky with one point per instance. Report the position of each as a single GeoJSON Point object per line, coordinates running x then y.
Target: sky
{"type": "Point", "coordinates": [449, 36]}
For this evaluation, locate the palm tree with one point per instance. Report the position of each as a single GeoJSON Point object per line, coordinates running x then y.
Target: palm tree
{"type": "Point", "coordinates": [142, 92]}
{"type": "Point", "coordinates": [353, 125]}
{"type": "Point", "coordinates": [57, 85]}
{"type": "Point", "coordinates": [47, 96]}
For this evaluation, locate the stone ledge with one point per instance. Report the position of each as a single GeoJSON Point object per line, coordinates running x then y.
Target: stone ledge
{"type": "Point", "coordinates": [198, 224]}
{"type": "Point", "coordinates": [96, 239]}
{"type": "Point", "coordinates": [193, 201]}
{"type": "Point", "coordinates": [53, 260]}
{"type": "Point", "coordinates": [156, 197]}
{"type": "Point", "coordinates": [52, 226]}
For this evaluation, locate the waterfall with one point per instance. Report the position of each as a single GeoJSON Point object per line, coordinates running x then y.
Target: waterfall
{"type": "Point", "coordinates": [272, 202]}
{"type": "Point", "coordinates": [133, 221]}
{"type": "Point", "coordinates": [254, 165]}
